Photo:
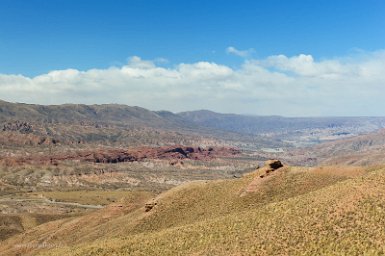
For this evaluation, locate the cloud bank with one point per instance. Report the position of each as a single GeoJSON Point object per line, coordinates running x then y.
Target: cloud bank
{"type": "Point", "coordinates": [281, 85]}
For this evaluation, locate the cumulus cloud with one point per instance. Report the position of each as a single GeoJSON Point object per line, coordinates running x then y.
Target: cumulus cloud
{"type": "Point", "coordinates": [240, 53]}
{"type": "Point", "coordinates": [285, 85]}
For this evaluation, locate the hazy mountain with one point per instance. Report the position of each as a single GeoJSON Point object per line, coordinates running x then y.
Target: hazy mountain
{"type": "Point", "coordinates": [265, 124]}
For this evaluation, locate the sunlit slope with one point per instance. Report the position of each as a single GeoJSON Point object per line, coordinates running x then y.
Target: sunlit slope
{"type": "Point", "coordinates": [338, 210]}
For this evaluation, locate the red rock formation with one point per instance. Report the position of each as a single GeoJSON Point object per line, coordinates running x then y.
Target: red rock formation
{"type": "Point", "coordinates": [131, 155]}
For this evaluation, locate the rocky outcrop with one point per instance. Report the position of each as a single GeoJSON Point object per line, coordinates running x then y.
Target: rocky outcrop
{"type": "Point", "coordinates": [273, 164]}
{"type": "Point", "coordinates": [172, 153]}
{"type": "Point", "coordinates": [150, 205]}
{"type": "Point", "coordinates": [268, 169]}
{"type": "Point", "coordinates": [270, 166]}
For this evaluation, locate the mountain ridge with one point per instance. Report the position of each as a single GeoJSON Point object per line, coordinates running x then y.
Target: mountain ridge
{"type": "Point", "coordinates": [119, 121]}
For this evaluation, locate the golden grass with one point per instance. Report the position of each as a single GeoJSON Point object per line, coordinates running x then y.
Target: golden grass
{"type": "Point", "coordinates": [295, 212]}
{"type": "Point", "coordinates": [92, 197]}
{"type": "Point", "coordinates": [11, 224]}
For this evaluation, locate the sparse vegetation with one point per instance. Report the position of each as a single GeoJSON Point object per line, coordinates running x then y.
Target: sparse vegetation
{"type": "Point", "coordinates": [325, 210]}
{"type": "Point", "coordinates": [222, 205]}
{"type": "Point", "coordinates": [93, 197]}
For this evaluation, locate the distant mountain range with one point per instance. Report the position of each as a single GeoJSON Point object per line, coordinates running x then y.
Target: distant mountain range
{"type": "Point", "coordinates": [126, 125]}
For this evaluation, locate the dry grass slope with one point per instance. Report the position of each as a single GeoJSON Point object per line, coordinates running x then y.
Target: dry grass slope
{"type": "Point", "coordinates": [295, 211]}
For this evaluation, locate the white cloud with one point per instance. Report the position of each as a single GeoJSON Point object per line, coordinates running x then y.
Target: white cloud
{"type": "Point", "coordinates": [240, 53]}
{"type": "Point", "coordinates": [297, 86]}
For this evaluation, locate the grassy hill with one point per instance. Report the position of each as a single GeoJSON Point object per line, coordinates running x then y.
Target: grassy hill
{"type": "Point", "coordinates": [293, 211]}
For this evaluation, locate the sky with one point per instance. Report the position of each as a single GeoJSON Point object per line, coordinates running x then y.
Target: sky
{"type": "Point", "coordinates": [290, 58]}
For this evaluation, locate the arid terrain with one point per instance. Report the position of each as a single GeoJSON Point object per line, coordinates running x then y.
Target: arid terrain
{"type": "Point", "coordinates": [119, 180]}
{"type": "Point", "coordinates": [197, 128]}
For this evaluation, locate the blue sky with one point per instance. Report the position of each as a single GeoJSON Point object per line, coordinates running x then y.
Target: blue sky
{"type": "Point", "coordinates": [52, 48]}
{"type": "Point", "coordinates": [37, 36]}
